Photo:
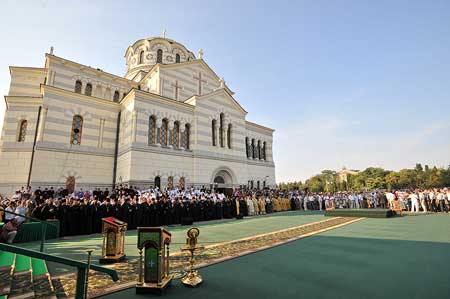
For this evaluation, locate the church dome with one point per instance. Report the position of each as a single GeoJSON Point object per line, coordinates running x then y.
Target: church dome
{"type": "Point", "coordinates": [145, 53]}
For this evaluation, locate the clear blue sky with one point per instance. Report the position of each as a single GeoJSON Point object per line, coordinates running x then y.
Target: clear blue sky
{"type": "Point", "coordinates": [344, 83]}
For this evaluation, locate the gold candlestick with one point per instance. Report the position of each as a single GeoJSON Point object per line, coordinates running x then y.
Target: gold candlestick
{"type": "Point", "coordinates": [192, 278]}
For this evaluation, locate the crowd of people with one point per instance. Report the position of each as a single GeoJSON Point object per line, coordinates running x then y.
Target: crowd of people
{"type": "Point", "coordinates": [429, 200]}
{"type": "Point", "coordinates": [81, 212]}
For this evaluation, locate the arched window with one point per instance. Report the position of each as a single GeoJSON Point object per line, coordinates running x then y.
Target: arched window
{"type": "Point", "coordinates": [257, 185]}
{"type": "Point", "coordinates": [258, 150]}
{"type": "Point", "coordinates": [77, 127]}
{"type": "Point", "coordinates": [253, 149]}
{"type": "Point", "coordinates": [152, 130]}
{"type": "Point", "coordinates": [182, 183]}
{"type": "Point", "coordinates": [221, 130]}
{"type": "Point", "coordinates": [229, 136]}
{"type": "Point", "coordinates": [159, 56]}
{"type": "Point", "coordinates": [158, 182]}
{"type": "Point", "coordinates": [88, 90]}
{"type": "Point", "coordinates": [170, 183]}
{"type": "Point", "coordinates": [175, 135]}
{"type": "Point", "coordinates": [163, 133]}
{"type": "Point", "coordinates": [141, 57]}
{"type": "Point", "coordinates": [177, 58]}
{"type": "Point", "coordinates": [213, 132]}
{"type": "Point", "coordinates": [185, 137]}
{"type": "Point", "coordinates": [264, 151]}
{"type": "Point", "coordinates": [78, 86]}
{"type": "Point", "coordinates": [22, 131]}
{"type": "Point", "coordinates": [247, 147]}
{"type": "Point", "coordinates": [116, 96]}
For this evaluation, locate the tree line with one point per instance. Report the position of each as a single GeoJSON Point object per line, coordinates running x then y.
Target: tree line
{"type": "Point", "coordinates": [374, 178]}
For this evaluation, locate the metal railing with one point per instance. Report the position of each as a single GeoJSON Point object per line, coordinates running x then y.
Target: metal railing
{"type": "Point", "coordinates": [82, 268]}
{"type": "Point", "coordinates": [43, 223]}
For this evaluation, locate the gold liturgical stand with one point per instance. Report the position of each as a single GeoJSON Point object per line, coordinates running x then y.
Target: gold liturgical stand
{"type": "Point", "coordinates": [154, 271]}
{"type": "Point", "coordinates": [192, 278]}
{"type": "Point", "coordinates": [113, 249]}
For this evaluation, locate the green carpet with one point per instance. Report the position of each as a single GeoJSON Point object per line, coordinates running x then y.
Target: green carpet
{"type": "Point", "coordinates": [405, 257]}
{"type": "Point", "coordinates": [368, 213]}
{"type": "Point", "coordinates": [210, 233]}
{"type": "Point", "coordinates": [38, 267]}
{"type": "Point", "coordinates": [6, 258]}
{"type": "Point", "coordinates": [22, 263]}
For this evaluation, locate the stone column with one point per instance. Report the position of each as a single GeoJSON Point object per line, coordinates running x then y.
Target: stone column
{"type": "Point", "coordinates": [170, 125]}
{"type": "Point", "coordinates": [83, 85]}
{"type": "Point", "coordinates": [100, 134]}
{"type": "Point", "coordinates": [182, 129]}
{"type": "Point", "coordinates": [41, 126]}
{"type": "Point", "coordinates": [158, 129]}
{"type": "Point", "coordinates": [98, 90]}
{"type": "Point", "coordinates": [216, 134]}
{"type": "Point", "coordinates": [133, 125]}
{"type": "Point", "coordinates": [225, 133]}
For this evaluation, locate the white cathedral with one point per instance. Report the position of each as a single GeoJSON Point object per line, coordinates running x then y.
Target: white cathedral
{"type": "Point", "coordinates": [171, 121]}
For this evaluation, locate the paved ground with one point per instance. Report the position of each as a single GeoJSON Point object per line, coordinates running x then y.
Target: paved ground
{"type": "Point", "coordinates": [405, 257]}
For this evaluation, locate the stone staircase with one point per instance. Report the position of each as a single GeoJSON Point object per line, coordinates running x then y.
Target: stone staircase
{"type": "Point", "coordinates": [23, 277]}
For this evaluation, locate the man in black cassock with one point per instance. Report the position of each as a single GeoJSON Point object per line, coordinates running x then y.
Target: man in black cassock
{"type": "Point", "coordinates": [243, 207]}
{"type": "Point", "coordinates": [124, 210]}
{"type": "Point", "coordinates": [195, 207]}
{"type": "Point", "coordinates": [96, 216]}
{"type": "Point", "coordinates": [61, 215]}
{"type": "Point", "coordinates": [154, 209]}
{"type": "Point", "coordinates": [166, 207]}
{"type": "Point", "coordinates": [177, 211]}
{"type": "Point", "coordinates": [74, 213]}
{"type": "Point", "coordinates": [85, 220]}
{"type": "Point", "coordinates": [107, 209]}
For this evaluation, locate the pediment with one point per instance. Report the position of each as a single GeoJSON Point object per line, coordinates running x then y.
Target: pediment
{"type": "Point", "coordinates": [220, 93]}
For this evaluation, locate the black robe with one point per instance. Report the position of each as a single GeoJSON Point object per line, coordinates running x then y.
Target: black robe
{"type": "Point", "coordinates": [154, 214]}
{"type": "Point", "coordinates": [75, 221]}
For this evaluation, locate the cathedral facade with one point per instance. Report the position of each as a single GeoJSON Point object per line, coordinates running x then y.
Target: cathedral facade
{"type": "Point", "coordinates": [171, 121]}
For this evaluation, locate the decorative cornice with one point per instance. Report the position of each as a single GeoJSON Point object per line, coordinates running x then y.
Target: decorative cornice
{"type": "Point", "coordinates": [256, 126]}
{"type": "Point", "coordinates": [27, 69]}
{"type": "Point", "coordinates": [23, 100]}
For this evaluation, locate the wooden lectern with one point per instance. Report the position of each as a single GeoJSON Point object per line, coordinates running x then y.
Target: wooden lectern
{"type": "Point", "coordinates": [154, 270]}
{"type": "Point", "coordinates": [113, 249]}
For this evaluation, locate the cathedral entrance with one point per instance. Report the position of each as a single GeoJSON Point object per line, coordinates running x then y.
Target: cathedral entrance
{"type": "Point", "coordinates": [223, 182]}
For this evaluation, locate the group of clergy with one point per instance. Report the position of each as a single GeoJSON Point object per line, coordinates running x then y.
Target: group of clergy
{"type": "Point", "coordinates": [81, 212]}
